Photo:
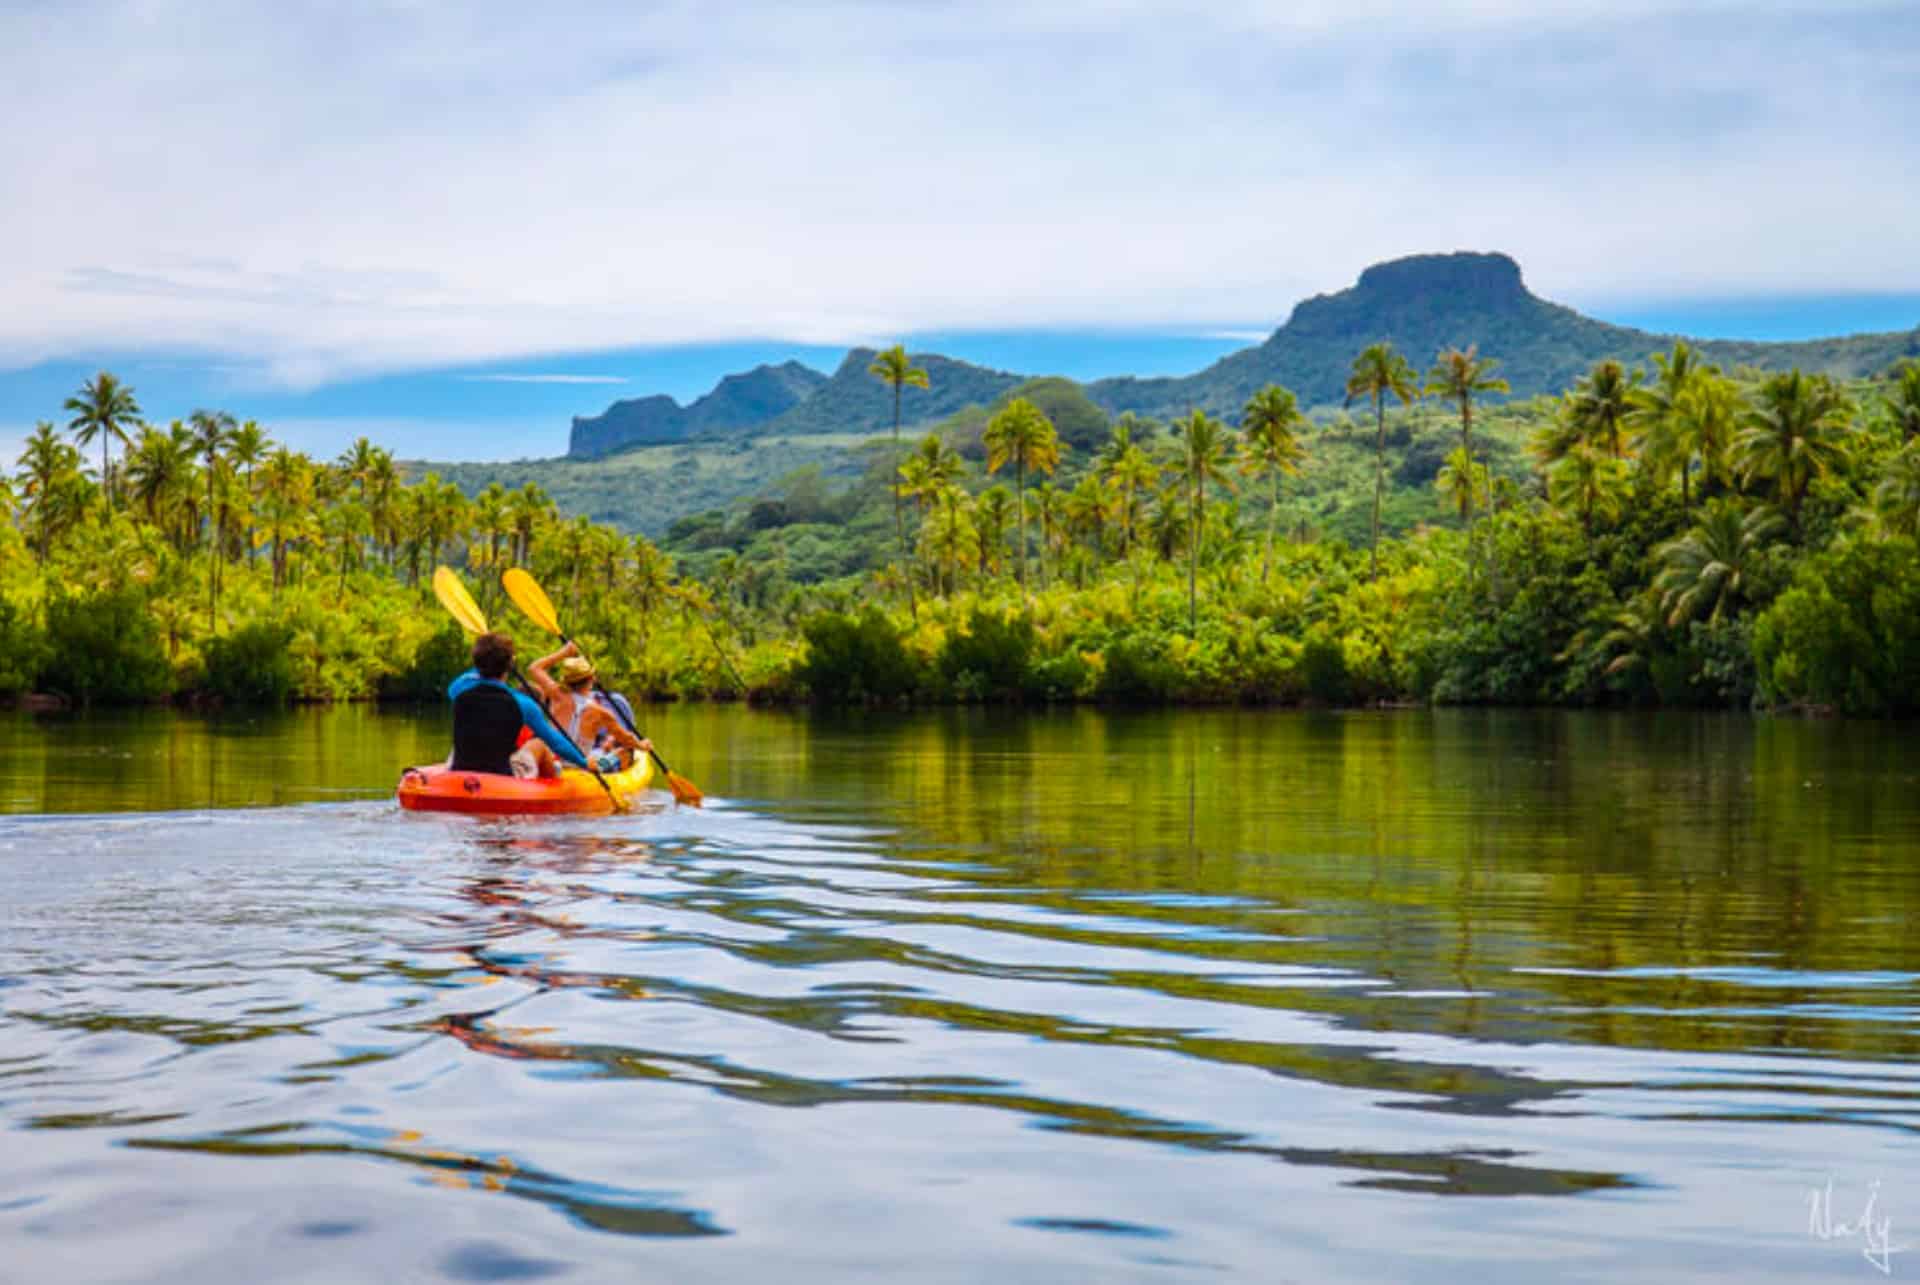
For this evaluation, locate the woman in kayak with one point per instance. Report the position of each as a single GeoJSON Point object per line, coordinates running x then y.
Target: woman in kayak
{"type": "Point", "coordinates": [576, 706]}
{"type": "Point", "coordinates": [488, 716]}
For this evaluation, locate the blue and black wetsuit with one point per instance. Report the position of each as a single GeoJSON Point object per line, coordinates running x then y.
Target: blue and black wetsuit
{"type": "Point", "coordinates": [487, 717]}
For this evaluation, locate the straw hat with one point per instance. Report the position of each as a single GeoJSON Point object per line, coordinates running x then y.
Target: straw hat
{"type": "Point", "coordinates": [575, 670]}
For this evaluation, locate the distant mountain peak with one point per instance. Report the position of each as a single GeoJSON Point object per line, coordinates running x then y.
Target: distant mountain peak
{"type": "Point", "coordinates": [1482, 276]}
{"type": "Point", "coordinates": [744, 400]}
{"type": "Point", "coordinates": [1421, 304]}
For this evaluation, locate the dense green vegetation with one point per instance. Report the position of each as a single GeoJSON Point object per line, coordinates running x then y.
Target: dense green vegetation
{"type": "Point", "coordinates": [664, 462]}
{"type": "Point", "coordinates": [646, 489]}
{"type": "Point", "coordinates": [1677, 535]}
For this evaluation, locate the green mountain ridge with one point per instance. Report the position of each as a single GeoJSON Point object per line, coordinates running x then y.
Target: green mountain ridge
{"type": "Point", "coordinates": [1428, 303]}
{"type": "Point", "coordinates": [645, 462]}
{"type": "Point", "coordinates": [737, 401]}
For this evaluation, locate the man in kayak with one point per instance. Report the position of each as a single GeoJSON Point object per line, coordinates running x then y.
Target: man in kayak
{"type": "Point", "coordinates": [579, 708]}
{"type": "Point", "coordinates": [488, 716]}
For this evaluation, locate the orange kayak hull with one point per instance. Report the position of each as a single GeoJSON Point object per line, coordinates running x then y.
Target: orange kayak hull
{"type": "Point", "coordinates": [437, 788]}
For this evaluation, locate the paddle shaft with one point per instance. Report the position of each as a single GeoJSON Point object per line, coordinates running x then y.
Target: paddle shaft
{"type": "Point", "coordinates": [620, 712]}
{"type": "Point", "coordinates": [467, 614]}
{"type": "Point", "coordinates": [527, 687]}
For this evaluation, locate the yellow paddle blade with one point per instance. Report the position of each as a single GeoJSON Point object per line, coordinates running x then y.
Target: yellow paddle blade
{"type": "Point", "coordinates": [684, 791]}
{"type": "Point", "coordinates": [459, 603]}
{"type": "Point", "coordinates": [531, 598]}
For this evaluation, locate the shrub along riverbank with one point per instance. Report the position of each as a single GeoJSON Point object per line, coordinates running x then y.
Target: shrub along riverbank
{"type": "Point", "coordinates": [1686, 538]}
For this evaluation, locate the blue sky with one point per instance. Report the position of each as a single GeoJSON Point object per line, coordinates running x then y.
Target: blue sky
{"type": "Point", "coordinates": [364, 215]}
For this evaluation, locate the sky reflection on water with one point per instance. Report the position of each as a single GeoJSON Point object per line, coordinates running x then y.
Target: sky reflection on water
{"type": "Point", "coordinates": [961, 996]}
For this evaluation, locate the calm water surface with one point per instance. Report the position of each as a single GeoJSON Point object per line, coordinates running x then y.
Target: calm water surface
{"type": "Point", "coordinates": [1275, 996]}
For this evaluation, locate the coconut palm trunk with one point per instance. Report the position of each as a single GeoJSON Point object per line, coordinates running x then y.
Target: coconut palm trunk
{"type": "Point", "coordinates": [1020, 495]}
{"type": "Point", "coordinates": [1196, 532]}
{"type": "Point", "coordinates": [1379, 474]}
{"type": "Point", "coordinates": [1273, 513]}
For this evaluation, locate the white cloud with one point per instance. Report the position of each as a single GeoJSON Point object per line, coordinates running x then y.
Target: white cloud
{"type": "Point", "coordinates": [541, 379]}
{"type": "Point", "coordinates": [324, 190]}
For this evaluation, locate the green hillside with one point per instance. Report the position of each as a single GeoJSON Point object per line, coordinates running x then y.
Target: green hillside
{"type": "Point", "coordinates": [851, 400]}
{"type": "Point", "coordinates": [1427, 303]}
{"type": "Point", "coordinates": [644, 490]}
{"type": "Point", "coordinates": [736, 442]}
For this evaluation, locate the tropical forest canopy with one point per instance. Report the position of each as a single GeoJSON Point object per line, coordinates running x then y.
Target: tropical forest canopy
{"type": "Point", "coordinates": [1668, 531]}
{"type": "Point", "coordinates": [664, 461]}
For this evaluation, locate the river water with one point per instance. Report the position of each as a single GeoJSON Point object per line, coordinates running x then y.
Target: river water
{"type": "Point", "coordinates": [1449, 996]}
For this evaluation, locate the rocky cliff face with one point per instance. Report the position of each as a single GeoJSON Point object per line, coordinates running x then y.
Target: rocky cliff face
{"type": "Point", "coordinates": [854, 401]}
{"type": "Point", "coordinates": [1420, 304]}
{"type": "Point", "coordinates": [737, 402]}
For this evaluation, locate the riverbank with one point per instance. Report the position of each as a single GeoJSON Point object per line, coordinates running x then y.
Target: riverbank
{"type": "Point", "coordinates": [1636, 563]}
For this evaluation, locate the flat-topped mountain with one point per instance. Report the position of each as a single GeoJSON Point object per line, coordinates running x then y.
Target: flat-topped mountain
{"type": "Point", "coordinates": [1429, 302]}
{"type": "Point", "coordinates": [1420, 304]}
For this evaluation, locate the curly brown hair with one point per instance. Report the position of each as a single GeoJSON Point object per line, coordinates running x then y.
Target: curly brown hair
{"type": "Point", "coordinates": [492, 655]}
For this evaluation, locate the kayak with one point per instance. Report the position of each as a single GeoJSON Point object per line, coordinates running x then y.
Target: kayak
{"type": "Point", "coordinates": [437, 788]}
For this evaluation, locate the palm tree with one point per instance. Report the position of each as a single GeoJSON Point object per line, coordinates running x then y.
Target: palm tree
{"type": "Point", "coordinates": [103, 408]}
{"type": "Point", "coordinates": [1088, 506]}
{"type": "Point", "coordinates": [1167, 527]}
{"type": "Point", "coordinates": [1461, 375]}
{"type": "Point", "coordinates": [492, 515]}
{"type": "Point", "coordinates": [929, 470]}
{"type": "Point", "coordinates": [1657, 414]}
{"type": "Point", "coordinates": [286, 486]}
{"type": "Point", "coordinates": [356, 464]}
{"type": "Point", "coordinates": [993, 513]}
{"type": "Point", "coordinates": [157, 467]}
{"type": "Point", "coordinates": [1459, 481]}
{"type": "Point", "coordinates": [1706, 416]}
{"type": "Point", "coordinates": [943, 462]}
{"type": "Point", "coordinates": [345, 524]}
{"type": "Point", "coordinates": [1022, 433]}
{"type": "Point", "coordinates": [452, 516]}
{"type": "Point", "coordinates": [1050, 505]}
{"type": "Point", "coordinates": [212, 430]}
{"type": "Point", "coordinates": [412, 516]}
{"type": "Point", "coordinates": [576, 544]}
{"type": "Point", "coordinates": [1132, 474]}
{"type": "Point", "coordinates": [918, 483]}
{"type": "Point", "coordinates": [47, 462]}
{"type": "Point", "coordinates": [1896, 498]}
{"type": "Point", "coordinates": [1205, 445]}
{"type": "Point", "coordinates": [1377, 372]}
{"type": "Point", "coordinates": [245, 449]}
{"type": "Point", "coordinates": [950, 537]}
{"type": "Point", "coordinates": [895, 369]}
{"type": "Point", "coordinates": [383, 484]}
{"type": "Point", "coordinates": [530, 508]}
{"type": "Point", "coordinates": [1587, 478]}
{"type": "Point", "coordinates": [1272, 419]}
{"type": "Point", "coordinates": [1600, 404]}
{"type": "Point", "coordinates": [1903, 399]}
{"type": "Point", "coordinates": [1708, 569]}
{"type": "Point", "coordinates": [1797, 432]}
{"type": "Point", "coordinates": [282, 521]}
{"type": "Point", "coordinates": [1629, 639]}
{"type": "Point", "coordinates": [1555, 440]}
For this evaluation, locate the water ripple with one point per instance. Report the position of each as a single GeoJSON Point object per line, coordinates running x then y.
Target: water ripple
{"type": "Point", "coordinates": [817, 1047]}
